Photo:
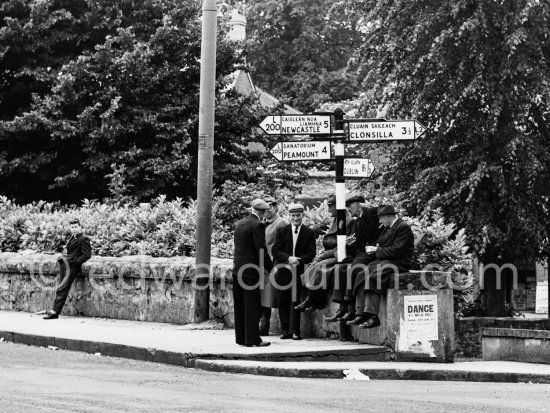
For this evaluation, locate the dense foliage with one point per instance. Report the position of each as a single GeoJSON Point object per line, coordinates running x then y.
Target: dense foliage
{"type": "Point", "coordinates": [477, 74]}
{"type": "Point", "coordinates": [101, 93]}
{"type": "Point", "coordinates": [299, 49]}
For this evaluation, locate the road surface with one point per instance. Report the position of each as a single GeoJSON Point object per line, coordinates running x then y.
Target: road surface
{"type": "Point", "coordinates": [43, 380]}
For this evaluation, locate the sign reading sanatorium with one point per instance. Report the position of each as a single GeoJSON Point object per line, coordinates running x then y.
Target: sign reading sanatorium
{"type": "Point", "coordinates": [302, 151]}
{"type": "Point", "coordinates": [296, 125]}
{"type": "Point", "coordinates": [421, 317]}
{"type": "Point", "coordinates": [394, 130]}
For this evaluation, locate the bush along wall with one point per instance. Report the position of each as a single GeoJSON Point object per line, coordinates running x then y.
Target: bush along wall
{"type": "Point", "coordinates": [164, 228]}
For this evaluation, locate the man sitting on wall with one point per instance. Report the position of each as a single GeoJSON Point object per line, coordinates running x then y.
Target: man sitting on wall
{"type": "Point", "coordinates": [392, 254]}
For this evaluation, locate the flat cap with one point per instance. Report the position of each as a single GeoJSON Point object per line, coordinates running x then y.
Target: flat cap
{"type": "Point", "coordinates": [386, 210]}
{"type": "Point", "coordinates": [355, 198]}
{"type": "Point", "coordinates": [295, 208]}
{"type": "Point", "coordinates": [259, 204]}
{"type": "Point", "coordinates": [270, 200]}
{"type": "Point", "coordinates": [331, 200]}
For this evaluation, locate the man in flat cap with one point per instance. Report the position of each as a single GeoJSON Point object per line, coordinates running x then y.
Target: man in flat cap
{"type": "Point", "coordinates": [367, 230]}
{"type": "Point", "coordinates": [393, 252]}
{"type": "Point", "coordinates": [319, 276]}
{"type": "Point", "coordinates": [294, 248]}
{"type": "Point", "coordinates": [273, 222]}
{"type": "Point", "coordinates": [249, 263]}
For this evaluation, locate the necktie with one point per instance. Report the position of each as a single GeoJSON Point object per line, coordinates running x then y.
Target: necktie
{"type": "Point", "coordinates": [296, 230]}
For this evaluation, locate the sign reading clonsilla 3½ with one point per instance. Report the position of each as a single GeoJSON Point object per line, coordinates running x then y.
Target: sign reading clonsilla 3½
{"type": "Point", "coordinates": [296, 125]}
{"type": "Point", "coordinates": [391, 130]}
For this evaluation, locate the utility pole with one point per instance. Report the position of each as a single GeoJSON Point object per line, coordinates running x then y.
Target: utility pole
{"type": "Point", "coordinates": [205, 160]}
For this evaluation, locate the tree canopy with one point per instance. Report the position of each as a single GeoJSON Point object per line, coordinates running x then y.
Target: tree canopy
{"type": "Point", "coordinates": [299, 49]}
{"type": "Point", "coordinates": [96, 90]}
{"type": "Point", "coordinates": [477, 74]}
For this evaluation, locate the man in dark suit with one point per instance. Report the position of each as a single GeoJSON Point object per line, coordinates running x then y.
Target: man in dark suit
{"type": "Point", "coordinates": [392, 254]}
{"type": "Point", "coordinates": [250, 261]}
{"type": "Point", "coordinates": [367, 230]}
{"type": "Point", "coordinates": [294, 248]}
{"type": "Point", "coordinates": [77, 251]}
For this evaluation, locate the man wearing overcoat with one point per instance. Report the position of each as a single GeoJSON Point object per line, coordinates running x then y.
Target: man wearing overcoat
{"type": "Point", "coordinates": [367, 229]}
{"type": "Point", "coordinates": [392, 254]}
{"type": "Point", "coordinates": [250, 262]}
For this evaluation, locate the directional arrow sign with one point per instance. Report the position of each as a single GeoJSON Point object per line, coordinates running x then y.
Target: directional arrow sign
{"type": "Point", "coordinates": [358, 168]}
{"type": "Point", "coordinates": [391, 130]}
{"type": "Point", "coordinates": [296, 125]}
{"type": "Point", "coordinates": [302, 151]}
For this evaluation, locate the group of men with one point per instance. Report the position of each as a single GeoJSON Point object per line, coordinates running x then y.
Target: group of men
{"type": "Point", "coordinates": [275, 264]}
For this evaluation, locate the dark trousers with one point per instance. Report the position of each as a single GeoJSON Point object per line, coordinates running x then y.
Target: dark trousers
{"type": "Point", "coordinates": [247, 306]}
{"type": "Point", "coordinates": [288, 296]}
{"type": "Point", "coordinates": [346, 275]}
{"type": "Point", "coordinates": [66, 283]}
{"type": "Point", "coordinates": [367, 302]}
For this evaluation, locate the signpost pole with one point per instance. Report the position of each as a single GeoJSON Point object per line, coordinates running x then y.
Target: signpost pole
{"type": "Point", "coordinates": [340, 189]}
{"type": "Point", "coordinates": [205, 162]}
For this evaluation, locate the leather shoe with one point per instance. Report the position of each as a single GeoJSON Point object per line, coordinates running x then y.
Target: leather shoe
{"type": "Point", "coordinates": [296, 337]}
{"type": "Point", "coordinates": [360, 319]}
{"type": "Point", "coordinates": [371, 322]}
{"type": "Point", "coordinates": [303, 305]}
{"type": "Point", "coordinates": [51, 316]}
{"type": "Point", "coordinates": [350, 315]}
{"type": "Point", "coordinates": [262, 344]}
{"type": "Point", "coordinates": [285, 336]}
{"type": "Point", "coordinates": [335, 317]}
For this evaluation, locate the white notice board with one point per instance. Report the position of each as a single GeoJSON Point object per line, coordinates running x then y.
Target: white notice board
{"type": "Point", "coordinates": [421, 317]}
{"type": "Point", "coordinates": [541, 306]}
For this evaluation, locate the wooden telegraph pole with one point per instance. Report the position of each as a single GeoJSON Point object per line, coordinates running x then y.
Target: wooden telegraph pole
{"type": "Point", "coordinates": [205, 161]}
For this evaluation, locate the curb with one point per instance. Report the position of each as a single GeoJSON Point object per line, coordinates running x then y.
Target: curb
{"type": "Point", "coordinates": [372, 373]}
{"type": "Point", "coordinates": [188, 359]}
{"type": "Point", "coordinates": [106, 349]}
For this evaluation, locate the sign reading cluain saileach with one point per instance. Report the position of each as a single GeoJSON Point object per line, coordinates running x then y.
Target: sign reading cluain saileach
{"type": "Point", "coordinates": [296, 125]}
{"type": "Point", "coordinates": [391, 130]}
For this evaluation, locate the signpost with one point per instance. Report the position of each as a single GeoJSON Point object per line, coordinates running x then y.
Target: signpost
{"type": "Point", "coordinates": [302, 151]}
{"type": "Point", "coordinates": [381, 131]}
{"type": "Point", "coordinates": [296, 125]}
{"type": "Point", "coordinates": [358, 168]}
{"type": "Point", "coordinates": [341, 131]}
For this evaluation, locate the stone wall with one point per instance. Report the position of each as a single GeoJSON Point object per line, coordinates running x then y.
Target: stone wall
{"type": "Point", "coordinates": [468, 331]}
{"type": "Point", "coordinates": [132, 288]}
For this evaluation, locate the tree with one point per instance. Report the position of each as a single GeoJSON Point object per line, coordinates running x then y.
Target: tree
{"type": "Point", "coordinates": [299, 49]}
{"type": "Point", "coordinates": [122, 104]}
{"type": "Point", "coordinates": [477, 74]}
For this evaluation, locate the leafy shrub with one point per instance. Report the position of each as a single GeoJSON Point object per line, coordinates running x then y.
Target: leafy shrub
{"type": "Point", "coordinates": [442, 247]}
{"type": "Point", "coordinates": [167, 228]}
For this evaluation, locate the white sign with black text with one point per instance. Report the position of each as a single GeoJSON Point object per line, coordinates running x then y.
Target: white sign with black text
{"type": "Point", "coordinates": [421, 317]}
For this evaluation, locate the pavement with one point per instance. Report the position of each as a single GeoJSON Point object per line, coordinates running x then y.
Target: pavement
{"type": "Point", "coordinates": [210, 346]}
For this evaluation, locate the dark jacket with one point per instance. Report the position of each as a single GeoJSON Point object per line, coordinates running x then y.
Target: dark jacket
{"type": "Point", "coordinates": [78, 249]}
{"type": "Point", "coordinates": [250, 247]}
{"type": "Point", "coordinates": [305, 246]}
{"type": "Point", "coordinates": [396, 244]}
{"type": "Point", "coordinates": [367, 229]}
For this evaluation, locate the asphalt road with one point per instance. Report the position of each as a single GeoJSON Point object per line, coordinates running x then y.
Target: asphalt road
{"type": "Point", "coordinates": [42, 380]}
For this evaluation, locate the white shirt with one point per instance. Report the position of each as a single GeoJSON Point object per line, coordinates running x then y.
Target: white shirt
{"type": "Point", "coordinates": [295, 237]}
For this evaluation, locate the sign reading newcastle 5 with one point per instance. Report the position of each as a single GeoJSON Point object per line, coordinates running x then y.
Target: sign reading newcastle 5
{"type": "Point", "coordinates": [358, 168]}
{"type": "Point", "coordinates": [302, 151]}
{"type": "Point", "coordinates": [296, 125]}
{"type": "Point", "coordinates": [391, 130]}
